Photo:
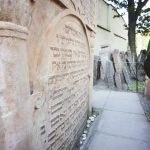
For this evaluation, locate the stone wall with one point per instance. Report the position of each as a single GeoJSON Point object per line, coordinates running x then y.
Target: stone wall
{"type": "Point", "coordinates": [45, 72]}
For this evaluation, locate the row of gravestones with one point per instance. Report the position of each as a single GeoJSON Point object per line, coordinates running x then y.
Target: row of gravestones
{"type": "Point", "coordinates": [117, 69]}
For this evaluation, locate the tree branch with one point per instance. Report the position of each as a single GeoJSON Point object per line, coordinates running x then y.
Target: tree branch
{"type": "Point", "coordinates": [140, 6]}
{"type": "Point", "coordinates": [144, 3]}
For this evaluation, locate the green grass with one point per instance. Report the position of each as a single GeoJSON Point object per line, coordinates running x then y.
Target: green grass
{"type": "Point", "coordinates": [141, 86]}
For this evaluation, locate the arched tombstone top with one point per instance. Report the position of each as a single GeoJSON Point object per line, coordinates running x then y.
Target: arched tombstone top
{"type": "Point", "coordinates": [56, 32]}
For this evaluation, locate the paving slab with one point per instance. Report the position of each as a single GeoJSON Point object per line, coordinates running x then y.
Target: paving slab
{"type": "Point", "coordinates": [124, 105]}
{"type": "Point", "coordinates": [100, 98]}
{"type": "Point", "coordinates": [124, 96]}
{"type": "Point", "coordinates": [103, 141]}
{"type": "Point", "coordinates": [123, 125]}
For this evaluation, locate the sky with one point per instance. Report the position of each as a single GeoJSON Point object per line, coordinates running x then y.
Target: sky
{"type": "Point", "coordinates": [126, 16]}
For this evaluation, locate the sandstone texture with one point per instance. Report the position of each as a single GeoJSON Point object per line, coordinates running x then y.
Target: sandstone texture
{"type": "Point", "coordinates": [45, 72]}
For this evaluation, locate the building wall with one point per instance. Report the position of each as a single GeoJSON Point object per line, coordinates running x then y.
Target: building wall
{"type": "Point", "coordinates": [109, 31]}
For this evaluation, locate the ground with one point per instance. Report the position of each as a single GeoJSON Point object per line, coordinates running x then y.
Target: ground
{"type": "Point", "coordinates": [122, 124]}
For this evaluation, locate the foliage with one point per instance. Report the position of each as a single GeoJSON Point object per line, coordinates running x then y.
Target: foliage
{"type": "Point", "coordinates": [137, 8]}
{"type": "Point", "coordinates": [141, 86]}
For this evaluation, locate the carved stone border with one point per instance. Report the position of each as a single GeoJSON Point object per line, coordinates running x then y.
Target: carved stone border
{"type": "Point", "coordinates": [12, 30]}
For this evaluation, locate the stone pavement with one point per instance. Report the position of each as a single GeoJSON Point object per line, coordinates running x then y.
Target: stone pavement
{"type": "Point", "coordinates": [122, 125]}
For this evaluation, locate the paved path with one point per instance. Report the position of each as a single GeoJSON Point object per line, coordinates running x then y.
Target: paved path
{"type": "Point", "coordinates": [123, 125]}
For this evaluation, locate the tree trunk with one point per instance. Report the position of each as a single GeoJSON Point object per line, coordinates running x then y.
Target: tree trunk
{"type": "Point", "coordinates": [132, 38]}
{"type": "Point", "coordinates": [132, 33]}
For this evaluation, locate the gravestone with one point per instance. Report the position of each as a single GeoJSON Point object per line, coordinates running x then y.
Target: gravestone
{"type": "Point", "coordinates": [110, 74]}
{"type": "Point", "coordinates": [104, 57]}
{"type": "Point", "coordinates": [123, 60]}
{"type": "Point", "coordinates": [117, 61]}
{"type": "Point", "coordinates": [118, 81]}
{"type": "Point", "coordinates": [126, 76]}
{"type": "Point", "coordinates": [118, 68]}
{"type": "Point", "coordinates": [45, 72]}
{"type": "Point", "coordinates": [131, 64]}
{"type": "Point", "coordinates": [96, 69]}
{"type": "Point", "coordinates": [64, 70]}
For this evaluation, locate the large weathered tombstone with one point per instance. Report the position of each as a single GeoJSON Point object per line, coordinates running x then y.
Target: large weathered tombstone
{"type": "Point", "coordinates": [123, 60]}
{"type": "Point", "coordinates": [110, 74]}
{"type": "Point", "coordinates": [63, 74]}
{"type": "Point", "coordinates": [96, 69]}
{"type": "Point", "coordinates": [126, 76]}
{"type": "Point", "coordinates": [117, 61]}
{"type": "Point", "coordinates": [45, 73]}
{"type": "Point", "coordinates": [118, 68]}
{"type": "Point", "coordinates": [131, 64]}
{"type": "Point", "coordinates": [118, 81]}
{"type": "Point", "coordinates": [104, 57]}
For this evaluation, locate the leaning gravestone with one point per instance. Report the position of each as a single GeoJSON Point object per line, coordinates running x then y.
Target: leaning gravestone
{"type": "Point", "coordinates": [126, 76]}
{"type": "Point", "coordinates": [131, 64]}
{"type": "Point", "coordinates": [118, 68]}
{"type": "Point", "coordinates": [96, 69]}
{"type": "Point", "coordinates": [104, 58]}
{"type": "Point", "coordinates": [110, 74]}
{"type": "Point", "coordinates": [118, 80]}
{"type": "Point", "coordinates": [123, 60]}
{"type": "Point", "coordinates": [117, 61]}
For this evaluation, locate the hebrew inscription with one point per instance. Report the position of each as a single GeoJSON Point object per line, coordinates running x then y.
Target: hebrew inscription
{"type": "Point", "coordinates": [67, 84]}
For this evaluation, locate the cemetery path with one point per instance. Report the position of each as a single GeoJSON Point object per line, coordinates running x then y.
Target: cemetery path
{"type": "Point", "coordinates": [122, 125]}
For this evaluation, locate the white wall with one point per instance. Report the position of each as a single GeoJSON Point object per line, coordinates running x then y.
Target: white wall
{"type": "Point", "coordinates": [110, 31]}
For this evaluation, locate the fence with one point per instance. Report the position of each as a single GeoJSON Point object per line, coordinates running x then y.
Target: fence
{"type": "Point", "coordinates": [138, 80]}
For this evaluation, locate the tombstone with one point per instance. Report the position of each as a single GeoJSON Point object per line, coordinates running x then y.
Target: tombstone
{"type": "Point", "coordinates": [110, 74]}
{"type": "Point", "coordinates": [104, 57]}
{"type": "Point", "coordinates": [123, 59]}
{"type": "Point", "coordinates": [118, 81]}
{"type": "Point", "coordinates": [45, 72]}
{"type": "Point", "coordinates": [126, 76]}
{"type": "Point", "coordinates": [96, 69]}
{"type": "Point", "coordinates": [130, 64]}
{"type": "Point", "coordinates": [117, 61]}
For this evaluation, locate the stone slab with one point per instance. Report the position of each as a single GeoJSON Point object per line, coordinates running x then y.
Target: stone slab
{"type": "Point", "coordinates": [125, 124]}
{"type": "Point", "coordinates": [110, 74]}
{"type": "Point", "coordinates": [104, 58]}
{"type": "Point", "coordinates": [118, 81]}
{"type": "Point", "coordinates": [126, 76]}
{"type": "Point", "coordinates": [100, 98]}
{"type": "Point", "coordinates": [105, 141]}
{"type": "Point", "coordinates": [124, 96]}
{"type": "Point", "coordinates": [124, 105]}
{"type": "Point", "coordinates": [117, 60]}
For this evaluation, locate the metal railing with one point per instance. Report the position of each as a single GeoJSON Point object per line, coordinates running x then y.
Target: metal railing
{"type": "Point", "coordinates": [138, 80]}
